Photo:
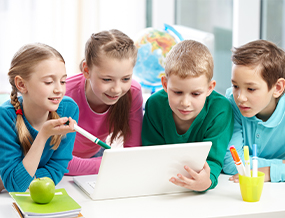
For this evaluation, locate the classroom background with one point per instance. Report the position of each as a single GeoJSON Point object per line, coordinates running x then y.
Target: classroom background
{"type": "Point", "coordinates": [67, 24]}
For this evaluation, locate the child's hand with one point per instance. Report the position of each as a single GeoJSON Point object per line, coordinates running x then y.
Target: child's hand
{"type": "Point", "coordinates": [198, 181]}
{"type": "Point", "coordinates": [234, 178]}
{"type": "Point", "coordinates": [57, 127]}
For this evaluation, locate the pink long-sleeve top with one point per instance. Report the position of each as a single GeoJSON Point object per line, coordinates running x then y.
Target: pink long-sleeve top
{"type": "Point", "coordinates": [97, 125]}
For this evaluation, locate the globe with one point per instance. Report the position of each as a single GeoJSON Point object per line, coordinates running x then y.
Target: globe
{"type": "Point", "coordinates": [153, 46]}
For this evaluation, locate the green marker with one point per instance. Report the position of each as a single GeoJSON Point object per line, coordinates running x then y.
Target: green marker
{"type": "Point", "coordinates": [89, 136]}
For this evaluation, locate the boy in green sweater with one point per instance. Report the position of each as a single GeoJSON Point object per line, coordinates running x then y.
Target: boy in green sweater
{"type": "Point", "coordinates": [188, 110]}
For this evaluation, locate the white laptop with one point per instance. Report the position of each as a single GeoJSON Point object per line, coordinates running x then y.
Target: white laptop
{"type": "Point", "coordinates": [142, 171]}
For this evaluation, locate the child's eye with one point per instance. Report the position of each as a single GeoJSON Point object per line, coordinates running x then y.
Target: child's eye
{"type": "Point", "coordinates": [48, 83]}
{"type": "Point", "coordinates": [106, 80]}
{"type": "Point", "coordinates": [178, 93]}
{"type": "Point", "coordinates": [251, 90]}
{"type": "Point", "coordinates": [126, 79]}
{"type": "Point", "coordinates": [235, 86]}
{"type": "Point", "coordinates": [63, 82]}
{"type": "Point", "coordinates": [195, 93]}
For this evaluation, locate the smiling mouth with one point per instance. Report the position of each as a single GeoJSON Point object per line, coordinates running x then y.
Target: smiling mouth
{"type": "Point", "coordinates": [54, 100]}
{"type": "Point", "coordinates": [112, 97]}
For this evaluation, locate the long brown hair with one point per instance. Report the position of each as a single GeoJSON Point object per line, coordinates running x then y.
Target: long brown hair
{"type": "Point", "coordinates": [22, 65]}
{"type": "Point", "coordinates": [113, 44]}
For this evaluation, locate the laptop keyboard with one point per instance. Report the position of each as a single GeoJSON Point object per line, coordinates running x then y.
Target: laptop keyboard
{"type": "Point", "coordinates": [92, 184]}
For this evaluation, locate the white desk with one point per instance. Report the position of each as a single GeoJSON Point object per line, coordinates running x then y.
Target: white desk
{"type": "Point", "coordinates": [223, 201]}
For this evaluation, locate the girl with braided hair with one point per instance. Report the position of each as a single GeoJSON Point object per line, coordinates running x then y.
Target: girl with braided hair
{"type": "Point", "coordinates": [110, 102]}
{"type": "Point", "coordinates": [35, 142]}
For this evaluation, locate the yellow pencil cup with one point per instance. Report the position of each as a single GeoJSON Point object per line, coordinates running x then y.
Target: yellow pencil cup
{"type": "Point", "coordinates": [251, 187]}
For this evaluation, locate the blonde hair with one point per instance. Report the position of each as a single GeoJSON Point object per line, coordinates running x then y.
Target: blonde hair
{"type": "Point", "coordinates": [22, 65]}
{"type": "Point", "coordinates": [113, 44]}
{"type": "Point", "coordinates": [189, 58]}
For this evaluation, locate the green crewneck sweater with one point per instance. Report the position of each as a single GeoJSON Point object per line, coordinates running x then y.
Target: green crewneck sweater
{"type": "Point", "coordinates": [214, 123]}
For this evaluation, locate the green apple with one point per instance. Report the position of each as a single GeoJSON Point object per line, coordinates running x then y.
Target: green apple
{"type": "Point", "coordinates": [42, 190]}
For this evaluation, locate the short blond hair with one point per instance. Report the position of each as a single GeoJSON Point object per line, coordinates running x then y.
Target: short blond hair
{"type": "Point", "coordinates": [189, 58]}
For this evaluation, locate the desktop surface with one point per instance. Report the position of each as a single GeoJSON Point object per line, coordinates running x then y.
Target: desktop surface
{"type": "Point", "coordinates": [223, 201]}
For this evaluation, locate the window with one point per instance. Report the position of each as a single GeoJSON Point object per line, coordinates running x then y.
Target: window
{"type": "Point", "coordinates": [215, 17]}
{"type": "Point", "coordinates": [273, 21]}
{"type": "Point", "coordinates": [63, 24]}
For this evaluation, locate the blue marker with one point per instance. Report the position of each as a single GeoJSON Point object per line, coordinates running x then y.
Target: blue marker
{"type": "Point", "coordinates": [254, 161]}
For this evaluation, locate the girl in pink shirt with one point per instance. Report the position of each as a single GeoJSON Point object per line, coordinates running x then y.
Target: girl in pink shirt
{"type": "Point", "coordinates": [109, 101]}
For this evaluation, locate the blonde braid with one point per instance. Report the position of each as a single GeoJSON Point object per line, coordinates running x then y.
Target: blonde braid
{"type": "Point", "coordinates": [55, 139]}
{"type": "Point", "coordinates": [24, 135]}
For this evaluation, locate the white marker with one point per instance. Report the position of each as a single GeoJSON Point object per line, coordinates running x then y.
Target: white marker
{"type": "Point", "coordinates": [254, 161]}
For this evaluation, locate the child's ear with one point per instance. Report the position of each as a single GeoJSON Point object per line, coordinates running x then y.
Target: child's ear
{"type": "Point", "coordinates": [85, 70]}
{"type": "Point", "coordinates": [212, 85]}
{"type": "Point", "coordinates": [164, 83]}
{"type": "Point", "coordinates": [279, 88]}
{"type": "Point", "coordinates": [20, 84]}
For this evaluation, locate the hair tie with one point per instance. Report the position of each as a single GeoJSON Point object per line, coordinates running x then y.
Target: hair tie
{"type": "Point", "coordinates": [19, 111]}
